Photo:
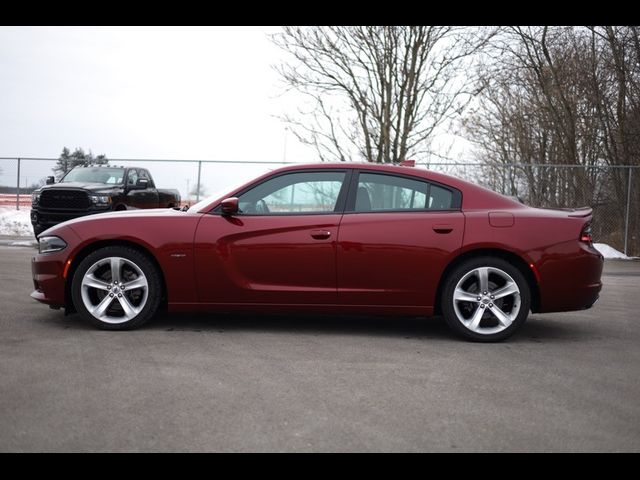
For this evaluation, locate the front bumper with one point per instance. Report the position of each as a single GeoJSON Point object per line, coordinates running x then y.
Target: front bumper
{"type": "Point", "coordinates": [48, 279]}
{"type": "Point", "coordinates": [48, 270]}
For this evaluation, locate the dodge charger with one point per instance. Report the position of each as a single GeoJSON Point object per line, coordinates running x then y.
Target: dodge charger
{"type": "Point", "coordinates": [328, 238]}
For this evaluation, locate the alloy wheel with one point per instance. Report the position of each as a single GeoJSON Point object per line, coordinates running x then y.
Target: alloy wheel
{"type": "Point", "coordinates": [486, 300]}
{"type": "Point", "coordinates": [114, 290]}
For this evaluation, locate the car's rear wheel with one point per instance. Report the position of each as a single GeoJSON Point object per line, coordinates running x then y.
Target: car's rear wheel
{"type": "Point", "coordinates": [486, 299]}
{"type": "Point", "coordinates": [116, 288]}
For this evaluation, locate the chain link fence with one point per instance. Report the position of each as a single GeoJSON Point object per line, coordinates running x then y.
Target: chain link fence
{"type": "Point", "coordinates": [612, 192]}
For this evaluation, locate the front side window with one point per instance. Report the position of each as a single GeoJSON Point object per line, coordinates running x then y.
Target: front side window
{"type": "Point", "coordinates": [305, 192]}
{"type": "Point", "coordinates": [144, 175]}
{"type": "Point", "coordinates": [132, 177]}
{"type": "Point", "coordinates": [379, 192]}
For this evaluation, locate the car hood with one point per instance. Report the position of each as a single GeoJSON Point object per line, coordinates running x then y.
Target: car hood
{"type": "Point", "coordinates": [133, 217]}
{"type": "Point", "coordinates": [134, 214]}
{"type": "Point", "coordinates": [92, 187]}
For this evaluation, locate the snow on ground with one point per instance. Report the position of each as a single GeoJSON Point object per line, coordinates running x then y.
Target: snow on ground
{"type": "Point", "coordinates": [610, 252]}
{"type": "Point", "coordinates": [15, 222]}
{"type": "Point", "coordinates": [18, 223]}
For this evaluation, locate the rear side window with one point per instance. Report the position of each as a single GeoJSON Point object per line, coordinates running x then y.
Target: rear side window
{"type": "Point", "coordinates": [380, 192]}
{"type": "Point", "coordinates": [440, 198]}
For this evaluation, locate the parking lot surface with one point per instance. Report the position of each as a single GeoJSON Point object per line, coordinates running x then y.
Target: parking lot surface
{"type": "Point", "coordinates": [564, 382]}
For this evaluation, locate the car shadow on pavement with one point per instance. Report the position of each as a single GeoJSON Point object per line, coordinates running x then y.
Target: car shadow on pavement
{"type": "Point", "coordinates": [536, 330]}
{"type": "Point", "coordinates": [539, 329]}
{"type": "Point", "coordinates": [407, 327]}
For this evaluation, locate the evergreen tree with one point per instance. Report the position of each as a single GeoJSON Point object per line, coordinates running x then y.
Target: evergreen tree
{"type": "Point", "coordinates": [67, 160]}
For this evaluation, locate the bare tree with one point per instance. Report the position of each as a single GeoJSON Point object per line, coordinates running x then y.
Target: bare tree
{"type": "Point", "coordinates": [377, 93]}
{"type": "Point", "coordinates": [564, 96]}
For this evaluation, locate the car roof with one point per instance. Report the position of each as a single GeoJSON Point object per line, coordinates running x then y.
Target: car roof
{"type": "Point", "coordinates": [379, 167]}
{"type": "Point", "coordinates": [476, 195]}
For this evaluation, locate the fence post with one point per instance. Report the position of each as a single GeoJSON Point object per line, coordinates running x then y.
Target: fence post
{"type": "Point", "coordinates": [626, 221]}
{"type": "Point", "coordinates": [18, 189]}
{"type": "Point", "coordinates": [512, 186]}
{"type": "Point", "coordinates": [198, 187]}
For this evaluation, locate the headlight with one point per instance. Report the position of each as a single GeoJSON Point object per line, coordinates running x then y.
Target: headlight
{"type": "Point", "coordinates": [101, 199]}
{"type": "Point", "coordinates": [35, 198]}
{"type": "Point", "coordinates": [51, 244]}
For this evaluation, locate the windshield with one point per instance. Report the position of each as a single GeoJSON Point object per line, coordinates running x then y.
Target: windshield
{"type": "Point", "coordinates": [214, 196]}
{"type": "Point", "coordinates": [108, 175]}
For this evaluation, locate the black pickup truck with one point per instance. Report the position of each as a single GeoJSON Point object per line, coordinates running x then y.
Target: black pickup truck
{"type": "Point", "coordinates": [96, 189]}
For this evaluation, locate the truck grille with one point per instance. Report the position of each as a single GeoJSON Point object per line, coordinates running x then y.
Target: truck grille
{"type": "Point", "coordinates": [65, 199]}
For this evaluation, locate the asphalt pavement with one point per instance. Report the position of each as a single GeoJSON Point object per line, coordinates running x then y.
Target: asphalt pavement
{"type": "Point", "coordinates": [206, 382]}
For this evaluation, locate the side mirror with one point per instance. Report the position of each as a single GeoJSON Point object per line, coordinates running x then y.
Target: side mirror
{"type": "Point", "coordinates": [51, 180]}
{"type": "Point", "coordinates": [229, 206]}
{"type": "Point", "coordinates": [142, 183]}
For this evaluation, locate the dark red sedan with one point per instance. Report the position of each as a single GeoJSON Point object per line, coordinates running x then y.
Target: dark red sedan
{"type": "Point", "coordinates": [338, 238]}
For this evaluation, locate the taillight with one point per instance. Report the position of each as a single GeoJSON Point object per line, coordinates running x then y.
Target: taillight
{"type": "Point", "coordinates": [585, 235]}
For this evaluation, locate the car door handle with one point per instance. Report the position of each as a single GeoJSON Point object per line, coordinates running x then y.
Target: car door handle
{"type": "Point", "coordinates": [443, 228]}
{"type": "Point", "coordinates": [320, 234]}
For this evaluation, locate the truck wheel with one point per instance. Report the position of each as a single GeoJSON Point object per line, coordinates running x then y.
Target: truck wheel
{"type": "Point", "coordinates": [37, 230]}
{"type": "Point", "coordinates": [116, 288]}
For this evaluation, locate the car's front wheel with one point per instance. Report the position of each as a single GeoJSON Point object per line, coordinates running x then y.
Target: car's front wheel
{"type": "Point", "coordinates": [485, 299]}
{"type": "Point", "coordinates": [116, 288]}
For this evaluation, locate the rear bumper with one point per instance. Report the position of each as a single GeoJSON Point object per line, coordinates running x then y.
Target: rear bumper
{"type": "Point", "coordinates": [595, 301]}
{"type": "Point", "coordinates": [589, 295]}
{"type": "Point", "coordinates": [571, 280]}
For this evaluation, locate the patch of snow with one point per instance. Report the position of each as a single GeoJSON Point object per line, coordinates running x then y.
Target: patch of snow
{"type": "Point", "coordinates": [15, 222]}
{"type": "Point", "coordinates": [610, 252]}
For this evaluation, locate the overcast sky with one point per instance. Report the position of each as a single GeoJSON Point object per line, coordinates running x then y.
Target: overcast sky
{"type": "Point", "coordinates": [142, 92]}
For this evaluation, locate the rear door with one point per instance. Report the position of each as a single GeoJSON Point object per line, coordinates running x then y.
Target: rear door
{"type": "Point", "coordinates": [396, 237]}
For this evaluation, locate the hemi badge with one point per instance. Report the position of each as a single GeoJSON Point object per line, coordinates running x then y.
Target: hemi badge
{"type": "Point", "coordinates": [178, 255]}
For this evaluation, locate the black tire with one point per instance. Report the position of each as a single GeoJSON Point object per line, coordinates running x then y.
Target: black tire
{"type": "Point", "coordinates": [37, 230]}
{"type": "Point", "coordinates": [139, 259]}
{"type": "Point", "coordinates": [458, 273]}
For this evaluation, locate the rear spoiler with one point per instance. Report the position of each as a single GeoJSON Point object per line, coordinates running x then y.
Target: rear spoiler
{"type": "Point", "coordinates": [580, 212]}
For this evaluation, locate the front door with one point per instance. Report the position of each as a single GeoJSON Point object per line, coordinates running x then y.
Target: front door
{"type": "Point", "coordinates": [280, 248]}
{"type": "Point", "coordinates": [141, 198]}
